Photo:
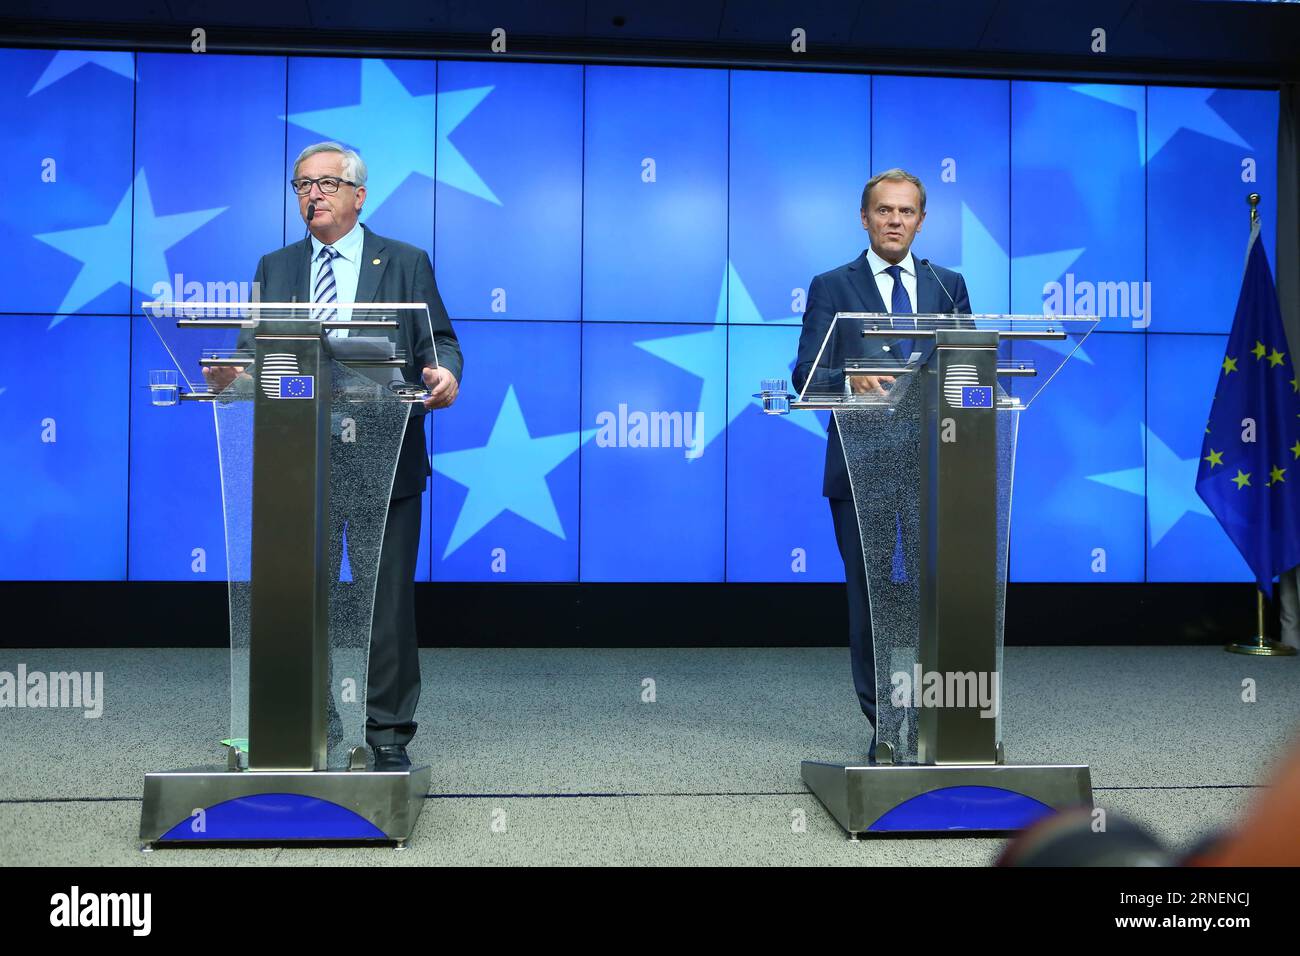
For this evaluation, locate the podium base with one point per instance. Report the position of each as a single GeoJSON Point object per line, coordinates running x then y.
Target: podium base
{"type": "Point", "coordinates": [871, 799]}
{"type": "Point", "coordinates": [216, 805]}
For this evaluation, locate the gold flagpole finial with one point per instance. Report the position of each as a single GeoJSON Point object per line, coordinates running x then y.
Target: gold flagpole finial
{"type": "Point", "coordinates": [1253, 199]}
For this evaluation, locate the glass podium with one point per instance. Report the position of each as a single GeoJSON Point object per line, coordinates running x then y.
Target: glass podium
{"type": "Point", "coordinates": [926, 409]}
{"type": "Point", "coordinates": [310, 407]}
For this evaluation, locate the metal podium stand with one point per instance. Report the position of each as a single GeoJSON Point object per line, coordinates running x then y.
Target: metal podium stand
{"type": "Point", "coordinates": [930, 458]}
{"type": "Point", "coordinates": [310, 417]}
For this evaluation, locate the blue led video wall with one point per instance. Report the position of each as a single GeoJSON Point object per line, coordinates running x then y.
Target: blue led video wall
{"type": "Point", "coordinates": [625, 252]}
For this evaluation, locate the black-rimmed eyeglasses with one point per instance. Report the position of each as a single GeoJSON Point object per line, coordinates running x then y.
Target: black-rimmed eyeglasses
{"type": "Point", "coordinates": [327, 184]}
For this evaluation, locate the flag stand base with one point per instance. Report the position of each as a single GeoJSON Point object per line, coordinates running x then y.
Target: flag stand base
{"type": "Point", "coordinates": [1260, 645]}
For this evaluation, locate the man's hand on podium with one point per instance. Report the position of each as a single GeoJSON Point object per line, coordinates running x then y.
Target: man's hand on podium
{"type": "Point", "coordinates": [870, 384]}
{"type": "Point", "coordinates": [443, 387]}
{"type": "Point", "coordinates": [219, 377]}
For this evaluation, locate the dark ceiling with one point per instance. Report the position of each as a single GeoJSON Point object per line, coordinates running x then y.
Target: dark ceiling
{"type": "Point", "coordinates": [1174, 40]}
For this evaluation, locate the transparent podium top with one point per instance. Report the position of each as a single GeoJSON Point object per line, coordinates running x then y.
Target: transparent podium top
{"type": "Point", "coordinates": [211, 342]}
{"type": "Point", "coordinates": [869, 359]}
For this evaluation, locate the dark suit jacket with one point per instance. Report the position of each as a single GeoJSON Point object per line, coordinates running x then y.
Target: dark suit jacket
{"type": "Point", "coordinates": [404, 274]}
{"type": "Point", "coordinates": [852, 288]}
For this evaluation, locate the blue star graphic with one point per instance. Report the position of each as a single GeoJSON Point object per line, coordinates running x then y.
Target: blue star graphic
{"type": "Point", "coordinates": [984, 263]}
{"type": "Point", "coordinates": [507, 474]}
{"type": "Point", "coordinates": [67, 61]}
{"type": "Point", "coordinates": [405, 134]}
{"type": "Point", "coordinates": [453, 168]}
{"type": "Point", "coordinates": [695, 352]}
{"type": "Point", "coordinates": [1167, 481]}
{"type": "Point", "coordinates": [106, 256]}
{"type": "Point", "coordinates": [1190, 110]}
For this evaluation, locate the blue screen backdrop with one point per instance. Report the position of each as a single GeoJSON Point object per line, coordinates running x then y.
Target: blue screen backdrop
{"type": "Point", "coordinates": [625, 252]}
{"type": "Point", "coordinates": [791, 212]}
{"type": "Point", "coordinates": [968, 177]}
{"type": "Point", "coordinates": [505, 483]}
{"type": "Point", "coordinates": [509, 225]}
{"type": "Point", "coordinates": [654, 194]}
{"type": "Point", "coordinates": [653, 474]}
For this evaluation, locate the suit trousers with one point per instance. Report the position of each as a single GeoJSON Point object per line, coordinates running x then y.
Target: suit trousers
{"type": "Point", "coordinates": [861, 652]}
{"type": "Point", "coordinates": [394, 665]}
{"type": "Point", "coordinates": [1288, 598]}
{"type": "Point", "coordinates": [394, 672]}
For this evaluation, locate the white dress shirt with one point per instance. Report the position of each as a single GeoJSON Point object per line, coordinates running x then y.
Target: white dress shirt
{"type": "Point", "coordinates": [347, 268]}
{"type": "Point", "coordinates": [885, 282]}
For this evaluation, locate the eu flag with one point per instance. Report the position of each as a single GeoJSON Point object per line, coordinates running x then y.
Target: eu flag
{"type": "Point", "coordinates": [297, 386]}
{"type": "Point", "coordinates": [1249, 474]}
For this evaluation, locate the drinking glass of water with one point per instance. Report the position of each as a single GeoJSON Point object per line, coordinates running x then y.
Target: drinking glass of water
{"type": "Point", "coordinates": [775, 399]}
{"type": "Point", "coordinates": [163, 386]}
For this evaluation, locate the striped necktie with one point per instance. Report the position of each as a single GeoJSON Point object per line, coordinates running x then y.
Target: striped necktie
{"type": "Point", "coordinates": [326, 293]}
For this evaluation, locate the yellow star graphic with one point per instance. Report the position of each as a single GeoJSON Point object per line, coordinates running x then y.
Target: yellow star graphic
{"type": "Point", "coordinates": [1259, 350]}
{"type": "Point", "coordinates": [1276, 475]}
{"type": "Point", "coordinates": [1275, 358]}
{"type": "Point", "coordinates": [1229, 365]}
{"type": "Point", "coordinates": [1295, 384]}
{"type": "Point", "coordinates": [1241, 480]}
{"type": "Point", "coordinates": [1295, 449]}
{"type": "Point", "coordinates": [1214, 458]}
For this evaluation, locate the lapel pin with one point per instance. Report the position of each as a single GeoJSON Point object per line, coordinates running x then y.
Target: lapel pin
{"type": "Point", "coordinates": [374, 262]}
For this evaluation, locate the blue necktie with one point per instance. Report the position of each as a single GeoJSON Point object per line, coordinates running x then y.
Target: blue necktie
{"type": "Point", "coordinates": [900, 304]}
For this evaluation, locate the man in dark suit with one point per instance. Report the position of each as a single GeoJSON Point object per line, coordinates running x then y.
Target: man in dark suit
{"type": "Point", "coordinates": [342, 261]}
{"type": "Point", "coordinates": [885, 278]}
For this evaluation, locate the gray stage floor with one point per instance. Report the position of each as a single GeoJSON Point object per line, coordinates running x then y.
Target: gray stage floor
{"type": "Point", "coordinates": [584, 771]}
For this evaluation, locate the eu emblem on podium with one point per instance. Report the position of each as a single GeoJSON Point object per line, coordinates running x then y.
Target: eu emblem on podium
{"type": "Point", "coordinates": [297, 386]}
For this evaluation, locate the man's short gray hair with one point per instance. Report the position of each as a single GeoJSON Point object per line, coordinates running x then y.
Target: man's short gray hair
{"type": "Point", "coordinates": [354, 167]}
{"type": "Point", "coordinates": [893, 175]}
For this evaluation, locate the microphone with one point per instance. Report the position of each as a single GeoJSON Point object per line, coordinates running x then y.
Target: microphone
{"type": "Point", "coordinates": [311, 213]}
{"type": "Point", "coordinates": [926, 263]}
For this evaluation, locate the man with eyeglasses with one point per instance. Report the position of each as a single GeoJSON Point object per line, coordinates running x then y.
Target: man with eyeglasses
{"type": "Point", "coordinates": [342, 261]}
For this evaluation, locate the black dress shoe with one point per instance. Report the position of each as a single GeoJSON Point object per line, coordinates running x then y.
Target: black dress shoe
{"type": "Point", "coordinates": [392, 757]}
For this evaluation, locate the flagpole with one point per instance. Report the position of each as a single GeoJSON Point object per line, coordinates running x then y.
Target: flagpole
{"type": "Point", "coordinates": [1259, 645]}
